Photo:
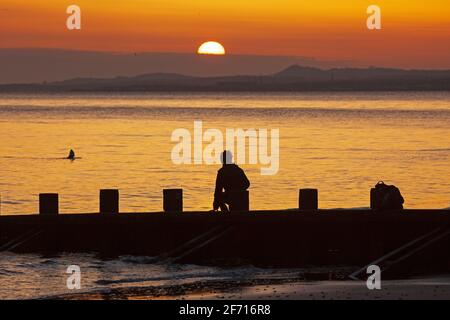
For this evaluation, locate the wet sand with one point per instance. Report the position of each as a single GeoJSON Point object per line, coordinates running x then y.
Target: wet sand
{"type": "Point", "coordinates": [427, 289]}
{"type": "Point", "coordinates": [339, 290]}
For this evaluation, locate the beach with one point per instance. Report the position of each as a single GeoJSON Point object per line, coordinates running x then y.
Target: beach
{"type": "Point", "coordinates": [437, 288]}
{"type": "Point", "coordinates": [28, 276]}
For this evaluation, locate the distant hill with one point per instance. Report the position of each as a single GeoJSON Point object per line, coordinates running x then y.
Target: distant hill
{"type": "Point", "coordinates": [293, 78]}
{"type": "Point", "coordinates": [29, 65]}
{"type": "Point", "coordinates": [301, 72]}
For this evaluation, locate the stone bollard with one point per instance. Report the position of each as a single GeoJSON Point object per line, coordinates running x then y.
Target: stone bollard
{"type": "Point", "coordinates": [48, 204]}
{"type": "Point", "coordinates": [173, 200]}
{"type": "Point", "coordinates": [239, 201]}
{"type": "Point", "coordinates": [308, 199]}
{"type": "Point", "coordinates": [109, 201]}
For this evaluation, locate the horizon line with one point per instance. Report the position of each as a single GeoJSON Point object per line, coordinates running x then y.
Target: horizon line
{"type": "Point", "coordinates": [339, 63]}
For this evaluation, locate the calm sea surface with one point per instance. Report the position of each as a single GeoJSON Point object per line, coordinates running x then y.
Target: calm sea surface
{"type": "Point", "coordinates": [340, 143]}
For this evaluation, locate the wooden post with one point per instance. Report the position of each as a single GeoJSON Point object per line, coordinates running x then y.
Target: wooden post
{"type": "Point", "coordinates": [308, 199]}
{"type": "Point", "coordinates": [109, 201]}
{"type": "Point", "coordinates": [173, 200]}
{"type": "Point", "coordinates": [239, 201]}
{"type": "Point", "coordinates": [372, 198]}
{"type": "Point", "coordinates": [48, 204]}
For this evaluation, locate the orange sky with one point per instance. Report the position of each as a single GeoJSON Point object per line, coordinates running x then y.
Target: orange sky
{"type": "Point", "coordinates": [415, 33]}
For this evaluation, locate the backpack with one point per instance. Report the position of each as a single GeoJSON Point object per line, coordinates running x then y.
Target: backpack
{"type": "Point", "coordinates": [386, 197]}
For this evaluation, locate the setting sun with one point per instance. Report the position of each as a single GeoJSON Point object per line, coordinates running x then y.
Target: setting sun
{"type": "Point", "coordinates": [211, 47]}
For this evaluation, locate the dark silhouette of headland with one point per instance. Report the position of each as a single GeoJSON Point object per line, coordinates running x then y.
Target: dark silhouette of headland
{"type": "Point", "coordinates": [294, 78]}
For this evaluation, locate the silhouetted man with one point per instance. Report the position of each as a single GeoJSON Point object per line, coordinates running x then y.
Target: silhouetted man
{"type": "Point", "coordinates": [71, 155]}
{"type": "Point", "coordinates": [229, 178]}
